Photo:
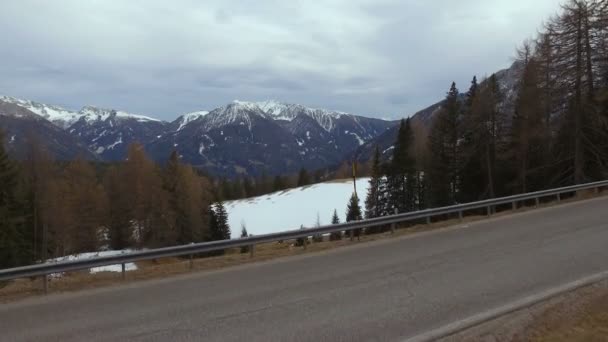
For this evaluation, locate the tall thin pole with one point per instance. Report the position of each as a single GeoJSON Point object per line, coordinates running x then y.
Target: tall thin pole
{"type": "Point", "coordinates": [355, 175]}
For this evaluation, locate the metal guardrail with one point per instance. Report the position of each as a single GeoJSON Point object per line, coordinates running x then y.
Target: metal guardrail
{"type": "Point", "coordinates": [184, 250]}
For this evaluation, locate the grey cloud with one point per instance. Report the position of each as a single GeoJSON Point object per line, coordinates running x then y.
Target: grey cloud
{"type": "Point", "coordinates": [370, 57]}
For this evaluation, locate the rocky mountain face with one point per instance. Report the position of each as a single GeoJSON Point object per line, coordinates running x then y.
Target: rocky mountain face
{"type": "Point", "coordinates": [20, 125]}
{"type": "Point", "coordinates": [239, 138]}
{"type": "Point", "coordinates": [266, 137]}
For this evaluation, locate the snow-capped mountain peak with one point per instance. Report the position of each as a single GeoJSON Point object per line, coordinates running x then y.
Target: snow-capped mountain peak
{"type": "Point", "coordinates": [61, 117]}
{"type": "Point", "coordinates": [287, 112]}
{"type": "Point", "coordinates": [92, 113]}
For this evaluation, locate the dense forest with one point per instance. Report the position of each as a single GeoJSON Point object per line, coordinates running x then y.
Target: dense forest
{"type": "Point", "coordinates": [555, 133]}
{"type": "Point", "coordinates": [478, 146]}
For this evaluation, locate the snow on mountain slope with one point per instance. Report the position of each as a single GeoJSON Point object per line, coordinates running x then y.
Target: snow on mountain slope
{"type": "Point", "coordinates": [288, 112]}
{"type": "Point", "coordinates": [187, 118]}
{"type": "Point", "coordinates": [65, 118]}
{"type": "Point", "coordinates": [92, 114]}
{"type": "Point", "coordinates": [289, 209]}
{"type": "Point", "coordinates": [59, 116]}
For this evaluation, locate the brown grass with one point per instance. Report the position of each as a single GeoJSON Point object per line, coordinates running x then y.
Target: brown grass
{"type": "Point", "coordinates": [162, 268]}
{"type": "Point", "coordinates": [583, 320]}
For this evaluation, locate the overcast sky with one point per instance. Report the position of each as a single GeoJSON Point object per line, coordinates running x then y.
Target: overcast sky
{"type": "Point", "coordinates": [383, 58]}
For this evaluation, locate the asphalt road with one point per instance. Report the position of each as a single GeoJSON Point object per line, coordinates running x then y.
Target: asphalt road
{"type": "Point", "coordinates": [381, 291]}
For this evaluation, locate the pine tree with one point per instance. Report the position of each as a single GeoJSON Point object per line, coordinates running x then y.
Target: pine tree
{"type": "Point", "coordinates": [353, 213]}
{"type": "Point", "coordinates": [444, 164]}
{"type": "Point", "coordinates": [372, 203]}
{"type": "Point", "coordinates": [470, 173]}
{"type": "Point", "coordinates": [218, 225]}
{"type": "Point", "coordinates": [279, 183]}
{"type": "Point", "coordinates": [335, 236]}
{"type": "Point", "coordinates": [222, 229]}
{"type": "Point", "coordinates": [402, 171]}
{"type": "Point", "coordinates": [248, 187]}
{"type": "Point", "coordinates": [14, 248]}
{"type": "Point", "coordinates": [303, 178]}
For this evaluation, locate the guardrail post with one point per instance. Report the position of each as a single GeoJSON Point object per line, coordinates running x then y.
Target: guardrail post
{"type": "Point", "coordinates": [45, 283]}
{"type": "Point", "coordinates": [191, 262]}
{"type": "Point", "coordinates": [460, 216]}
{"type": "Point", "coordinates": [489, 210]}
{"type": "Point", "coordinates": [394, 224]}
{"type": "Point", "coordinates": [536, 202]}
{"type": "Point", "coordinates": [122, 268]}
{"type": "Point", "coordinates": [514, 206]}
{"type": "Point", "coordinates": [596, 190]}
{"type": "Point", "coordinates": [428, 219]}
{"type": "Point", "coordinates": [251, 251]}
{"type": "Point", "coordinates": [559, 197]}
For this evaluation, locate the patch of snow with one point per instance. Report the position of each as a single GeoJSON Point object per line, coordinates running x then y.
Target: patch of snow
{"type": "Point", "coordinates": [289, 209]}
{"type": "Point", "coordinates": [361, 141]}
{"type": "Point", "coordinates": [84, 256]}
{"type": "Point", "coordinates": [388, 149]}
{"type": "Point", "coordinates": [100, 150]}
{"type": "Point", "coordinates": [12, 139]}
{"type": "Point", "coordinates": [116, 143]}
{"type": "Point", "coordinates": [308, 135]}
{"type": "Point", "coordinates": [61, 117]}
{"type": "Point", "coordinates": [189, 117]}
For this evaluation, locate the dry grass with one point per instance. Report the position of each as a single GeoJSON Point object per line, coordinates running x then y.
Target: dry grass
{"type": "Point", "coordinates": [583, 320]}
{"type": "Point", "coordinates": [162, 268]}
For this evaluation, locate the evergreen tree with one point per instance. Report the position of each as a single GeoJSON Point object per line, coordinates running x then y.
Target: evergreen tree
{"type": "Point", "coordinates": [248, 187]}
{"type": "Point", "coordinates": [353, 213]}
{"type": "Point", "coordinates": [335, 236]}
{"type": "Point", "coordinates": [279, 183]}
{"type": "Point", "coordinates": [303, 178]}
{"type": "Point", "coordinates": [444, 164]}
{"type": "Point", "coordinates": [372, 203]}
{"type": "Point", "coordinates": [218, 225]}
{"type": "Point", "coordinates": [14, 248]}
{"type": "Point", "coordinates": [402, 171]}
{"type": "Point", "coordinates": [471, 173]}
{"type": "Point", "coordinates": [222, 231]}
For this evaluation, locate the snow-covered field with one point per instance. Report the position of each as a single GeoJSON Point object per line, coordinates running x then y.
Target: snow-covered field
{"type": "Point", "coordinates": [111, 268]}
{"type": "Point", "coordinates": [289, 209]}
